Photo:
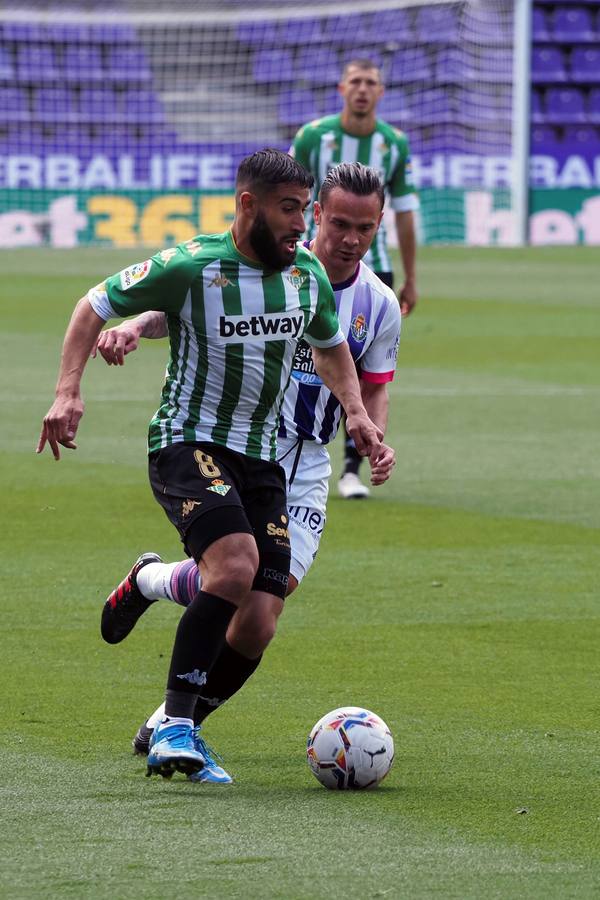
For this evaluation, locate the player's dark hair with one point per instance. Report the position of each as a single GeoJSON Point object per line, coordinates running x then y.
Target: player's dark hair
{"type": "Point", "coordinates": [361, 62]}
{"type": "Point", "coordinates": [267, 168]}
{"type": "Point", "coordinates": [355, 178]}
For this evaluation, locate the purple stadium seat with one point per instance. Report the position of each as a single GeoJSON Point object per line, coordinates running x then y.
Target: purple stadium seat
{"type": "Point", "coordinates": [99, 105]}
{"type": "Point", "coordinates": [331, 104]}
{"type": "Point", "coordinates": [83, 63]}
{"type": "Point", "coordinates": [494, 64]}
{"type": "Point", "coordinates": [436, 23]}
{"type": "Point", "coordinates": [393, 107]}
{"type": "Point", "coordinates": [452, 64]}
{"type": "Point", "coordinates": [68, 34]}
{"type": "Point", "coordinates": [128, 64]}
{"type": "Point", "coordinates": [142, 107]}
{"type": "Point", "coordinates": [263, 34]}
{"type": "Point", "coordinates": [272, 66]}
{"type": "Point", "coordinates": [582, 139]}
{"type": "Point", "coordinates": [392, 25]}
{"type": "Point", "coordinates": [410, 65]}
{"type": "Point", "coordinates": [14, 105]}
{"type": "Point", "coordinates": [429, 107]}
{"type": "Point", "coordinates": [539, 25]}
{"type": "Point", "coordinates": [537, 112]}
{"type": "Point", "coordinates": [297, 107]}
{"type": "Point", "coordinates": [54, 104]}
{"type": "Point", "coordinates": [565, 105]}
{"type": "Point", "coordinates": [594, 106]}
{"type": "Point", "coordinates": [485, 105]}
{"type": "Point", "coordinates": [7, 69]}
{"type": "Point", "coordinates": [342, 29]}
{"type": "Point", "coordinates": [37, 62]}
{"type": "Point", "coordinates": [585, 64]}
{"type": "Point", "coordinates": [547, 65]}
{"type": "Point", "coordinates": [375, 56]}
{"type": "Point", "coordinates": [299, 31]}
{"type": "Point", "coordinates": [483, 24]}
{"type": "Point", "coordinates": [544, 139]}
{"type": "Point", "coordinates": [112, 34]}
{"type": "Point", "coordinates": [573, 24]}
{"type": "Point", "coordinates": [315, 67]}
{"type": "Point", "coordinates": [23, 31]}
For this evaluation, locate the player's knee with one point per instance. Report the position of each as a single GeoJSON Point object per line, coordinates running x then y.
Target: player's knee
{"type": "Point", "coordinates": [292, 585]}
{"type": "Point", "coordinates": [235, 578]}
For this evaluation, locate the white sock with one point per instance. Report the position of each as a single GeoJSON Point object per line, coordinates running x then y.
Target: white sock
{"type": "Point", "coordinates": [154, 581]}
{"type": "Point", "coordinates": [177, 720]}
{"type": "Point", "coordinates": [156, 717]}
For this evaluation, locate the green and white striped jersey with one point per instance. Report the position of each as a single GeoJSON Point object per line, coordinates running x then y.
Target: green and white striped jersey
{"type": "Point", "coordinates": [233, 329]}
{"type": "Point", "coordinates": [323, 144]}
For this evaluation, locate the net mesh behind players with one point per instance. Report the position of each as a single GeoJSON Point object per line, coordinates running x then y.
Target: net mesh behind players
{"type": "Point", "coordinates": [125, 127]}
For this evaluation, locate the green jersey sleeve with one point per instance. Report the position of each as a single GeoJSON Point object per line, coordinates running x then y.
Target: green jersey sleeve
{"type": "Point", "coordinates": [324, 328]}
{"type": "Point", "coordinates": [159, 283]}
{"type": "Point", "coordinates": [302, 146]}
{"type": "Point", "coordinates": [402, 190]}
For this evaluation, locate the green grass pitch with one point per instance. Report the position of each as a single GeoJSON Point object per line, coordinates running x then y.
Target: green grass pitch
{"type": "Point", "coordinates": [460, 603]}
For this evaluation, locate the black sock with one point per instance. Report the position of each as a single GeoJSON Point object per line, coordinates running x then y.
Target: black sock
{"type": "Point", "coordinates": [229, 673]}
{"type": "Point", "coordinates": [352, 458]}
{"type": "Point", "coordinates": [198, 643]}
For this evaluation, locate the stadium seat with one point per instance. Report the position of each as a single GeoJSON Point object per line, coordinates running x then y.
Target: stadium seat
{"type": "Point", "coordinates": [292, 32]}
{"type": "Point", "coordinates": [393, 107]}
{"type": "Point", "coordinates": [25, 32]}
{"type": "Point", "coordinates": [436, 23]}
{"type": "Point", "coordinates": [315, 67]}
{"type": "Point", "coordinates": [113, 34]}
{"type": "Point", "coordinates": [14, 105]}
{"type": "Point", "coordinates": [539, 25]}
{"type": "Point", "coordinates": [585, 64]}
{"type": "Point", "coordinates": [99, 105]}
{"type": "Point", "coordinates": [272, 66]}
{"type": "Point", "coordinates": [538, 111]}
{"type": "Point", "coordinates": [54, 104]}
{"type": "Point", "coordinates": [565, 105]}
{"type": "Point", "coordinates": [297, 107]}
{"type": "Point", "coordinates": [543, 139]}
{"type": "Point", "coordinates": [393, 25]}
{"type": "Point", "coordinates": [83, 63]}
{"type": "Point", "coordinates": [61, 33]}
{"type": "Point", "coordinates": [547, 65]}
{"type": "Point", "coordinates": [429, 107]}
{"type": "Point", "coordinates": [36, 63]}
{"type": "Point", "coordinates": [344, 29]}
{"type": "Point", "coordinates": [142, 107]}
{"type": "Point", "coordinates": [573, 24]}
{"type": "Point", "coordinates": [331, 104]}
{"type": "Point", "coordinates": [582, 139]}
{"type": "Point", "coordinates": [492, 104]}
{"type": "Point", "coordinates": [127, 64]}
{"type": "Point", "coordinates": [410, 65]}
{"type": "Point", "coordinates": [375, 56]}
{"type": "Point", "coordinates": [594, 106]}
{"type": "Point", "coordinates": [7, 69]}
{"type": "Point", "coordinates": [484, 24]}
{"type": "Point", "coordinates": [258, 34]}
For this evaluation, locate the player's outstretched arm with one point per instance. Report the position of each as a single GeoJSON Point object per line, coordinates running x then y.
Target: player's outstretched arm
{"type": "Point", "coordinates": [336, 367]}
{"type": "Point", "coordinates": [115, 343]}
{"type": "Point", "coordinates": [407, 242]}
{"type": "Point", "coordinates": [62, 419]}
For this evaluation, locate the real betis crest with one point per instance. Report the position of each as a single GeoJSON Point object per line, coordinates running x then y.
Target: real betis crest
{"type": "Point", "coordinates": [296, 278]}
{"type": "Point", "coordinates": [358, 327]}
{"type": "Point", "coordinates": [219, 487]}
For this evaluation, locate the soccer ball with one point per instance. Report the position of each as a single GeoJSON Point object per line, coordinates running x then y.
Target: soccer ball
{"type": "Point", "coordinates": [350, 748]}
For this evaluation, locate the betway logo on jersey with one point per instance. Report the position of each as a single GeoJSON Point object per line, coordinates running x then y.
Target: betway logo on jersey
{"type": "Point", "coordinates": [266, 327]}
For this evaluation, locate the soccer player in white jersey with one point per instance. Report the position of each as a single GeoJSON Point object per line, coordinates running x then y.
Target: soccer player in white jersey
{"type": "Point", "coordinates": [357, 134]}
{"type": "Point", "coordinates": [348, 213]}
{"type": "Point", "coordinates": [236, 304]}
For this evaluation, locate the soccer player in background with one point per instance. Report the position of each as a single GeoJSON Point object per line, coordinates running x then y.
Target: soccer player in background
{"type": "Point", "coordinates": [358, 135]}
{"type": "Point", "coordinates": [237, 305]}
{"type": "Point", "coordinates": [348, 214]}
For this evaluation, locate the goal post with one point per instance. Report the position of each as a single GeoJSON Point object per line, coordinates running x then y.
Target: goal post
{"type": "Point", "coordinates": [124, 126]}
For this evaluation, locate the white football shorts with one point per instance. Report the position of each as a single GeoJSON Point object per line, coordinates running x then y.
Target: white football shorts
{"type": "Point", "coordinates": [307, 470]}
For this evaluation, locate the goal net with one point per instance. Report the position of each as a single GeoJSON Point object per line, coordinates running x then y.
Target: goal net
{"type": "Point", "coordinates": [123, 123]}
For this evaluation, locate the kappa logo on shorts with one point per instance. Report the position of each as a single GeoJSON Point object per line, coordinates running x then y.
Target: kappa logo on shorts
{"type": "Point", "coordinates": [188, 505]}
{"type": "Point", "coordinates": [135, 274]}
{"type": "Point", "coordinates": [219, 487]}
{"type": "Point", "coordinates": [274, 575]}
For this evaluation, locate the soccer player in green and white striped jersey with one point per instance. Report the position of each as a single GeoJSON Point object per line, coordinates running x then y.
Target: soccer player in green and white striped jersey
{"type": "Point", "coordinates": [237, 305]}
{"type": "Point", "coordinates": [358, 135]}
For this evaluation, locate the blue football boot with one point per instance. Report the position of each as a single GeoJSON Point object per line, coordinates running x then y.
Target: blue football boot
{"type": "Point", "coordinates": [173, 748]}
{"type": "Point", "coordinates": [212, 773]}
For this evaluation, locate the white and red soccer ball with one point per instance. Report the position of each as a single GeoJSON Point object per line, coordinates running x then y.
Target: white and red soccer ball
{"type": "Point", "coordinates": [350, 748]}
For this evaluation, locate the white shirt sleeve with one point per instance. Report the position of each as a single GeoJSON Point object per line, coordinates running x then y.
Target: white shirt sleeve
{"type": "Point", "coordinates": [379, 362]}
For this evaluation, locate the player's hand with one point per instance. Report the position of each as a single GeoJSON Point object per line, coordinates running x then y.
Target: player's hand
{"type": "Point", "coordinates": [366, 435]}
{"type": "Point", "coordinates": [60, 425]}
{"type": "Point", "coordinates": [408, 297]}
{"type": "Point", "coordinates": [115, 343]}
{"type": "Point", "coordinates": [381, 467]}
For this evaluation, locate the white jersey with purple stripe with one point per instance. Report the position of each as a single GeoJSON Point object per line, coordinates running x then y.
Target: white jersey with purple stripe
{"type": "Point", "coordinates": [370, 320]}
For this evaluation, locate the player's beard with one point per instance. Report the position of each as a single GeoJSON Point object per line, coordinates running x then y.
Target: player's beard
{"type": "Point", "coordinates": [264, 244]}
